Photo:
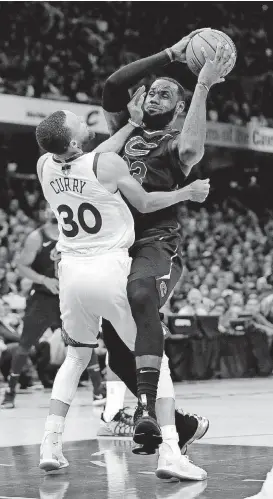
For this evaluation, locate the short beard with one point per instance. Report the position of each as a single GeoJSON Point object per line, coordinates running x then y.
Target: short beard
{"type": "Point", "coordinates": [158, 121]}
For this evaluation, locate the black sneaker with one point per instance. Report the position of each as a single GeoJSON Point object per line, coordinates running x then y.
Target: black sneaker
{"type": "Point", "coordinates": [190, 427]}
{"type": "Point", "coordinates": [147, 433]}
{"type": "Point", "coordinates": [8, 401]}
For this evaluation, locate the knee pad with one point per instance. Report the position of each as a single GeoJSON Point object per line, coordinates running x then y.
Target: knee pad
{"type": "Point", "coordinates": [80, 356]}
{"type": "Point", "coordinates": [68, 376]}
{"type": "Point", "coordinates": [165, 387]}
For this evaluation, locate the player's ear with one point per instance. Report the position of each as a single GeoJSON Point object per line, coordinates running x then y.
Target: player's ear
{"type": "Point", "coordinates": [180, 106]}
{"type": "Point", "coordinates": [74, 144]}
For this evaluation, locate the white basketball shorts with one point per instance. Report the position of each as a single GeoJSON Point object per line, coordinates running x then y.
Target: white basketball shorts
{"type": "Point", "coordinates": [96, 286]}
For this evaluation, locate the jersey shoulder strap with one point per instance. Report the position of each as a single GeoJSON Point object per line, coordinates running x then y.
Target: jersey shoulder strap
{"type": "Point", "coordinates": [95, 164]}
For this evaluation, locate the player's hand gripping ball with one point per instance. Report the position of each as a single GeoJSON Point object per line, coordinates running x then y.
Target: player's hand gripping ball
{"type": "Point", "coordinates": [207, 39]}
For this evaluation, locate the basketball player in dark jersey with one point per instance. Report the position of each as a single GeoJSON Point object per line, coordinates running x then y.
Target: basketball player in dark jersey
{"type": "Point", "coordinates": [39, 262]}
{"type": "Point", "coordinates": [159, 157]}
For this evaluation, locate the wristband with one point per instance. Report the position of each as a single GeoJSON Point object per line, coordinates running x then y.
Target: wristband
{"type": "Point", "coordinates": [203, 85]}
{"type": "Point", "coordinates": [134, 124]}
{"type": "Point", "coordinates": [170, 54]}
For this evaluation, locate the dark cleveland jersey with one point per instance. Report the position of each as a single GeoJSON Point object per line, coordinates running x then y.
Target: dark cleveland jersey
{"type": "Point", "coordinates": [46, 261]}
{"type": "Point", "coordinates": [153, 161]}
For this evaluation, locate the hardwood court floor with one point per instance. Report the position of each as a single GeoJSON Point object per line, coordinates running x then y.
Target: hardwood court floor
{"type": "Point", "coordinates": [237, 451]}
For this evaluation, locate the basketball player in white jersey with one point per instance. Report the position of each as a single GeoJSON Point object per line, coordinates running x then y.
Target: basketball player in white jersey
{"type": "Point", "coordinates": [96, 229]}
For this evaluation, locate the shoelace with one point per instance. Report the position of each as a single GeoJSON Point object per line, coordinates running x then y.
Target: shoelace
{"type": "Point", "coordinates": [125, 416]}
{"type": "Point", "coordinates": [123, 428]}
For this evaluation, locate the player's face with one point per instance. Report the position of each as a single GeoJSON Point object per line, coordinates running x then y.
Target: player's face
{"type": "Point", "coordinates": [80, 132]}
{"type": "Point", "coordinates": [162, 97]}
{"type": "Point", "coordinates": [160, 103]}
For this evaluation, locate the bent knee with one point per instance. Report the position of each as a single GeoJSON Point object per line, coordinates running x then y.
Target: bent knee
{"type": "Point", "coordinates": [141, 293]}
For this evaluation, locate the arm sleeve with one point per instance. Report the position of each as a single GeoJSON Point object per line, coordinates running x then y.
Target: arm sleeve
{"type": "Point", "coordinates": [115, 94]}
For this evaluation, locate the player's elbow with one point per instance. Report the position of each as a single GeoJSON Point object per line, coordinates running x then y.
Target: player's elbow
{"type": "Point", "coordinates": [110, 83]}
{"type": "Point", "coordinates": [191, 155]}
{"type": "Point", "coordinates": [143, 207]}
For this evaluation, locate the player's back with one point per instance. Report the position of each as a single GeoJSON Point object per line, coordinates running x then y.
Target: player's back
{"type": "Point", "coordinates": [91, 219]}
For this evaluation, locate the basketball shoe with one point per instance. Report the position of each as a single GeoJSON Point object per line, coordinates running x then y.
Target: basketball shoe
{"type": "Point", "coordinates": [8, 400]}
{"type": "Point", "coordinates": [147, 432]}
{"type": "Point", "coordinates": [190, 427]}
{"type": "Point", "coordinates": [121, 425]}
{"type": "Point", "coordinates": [51, 454]}
{"type": "Point", "coordinates": [180, 467]}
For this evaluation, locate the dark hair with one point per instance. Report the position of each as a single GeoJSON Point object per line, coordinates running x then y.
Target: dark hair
{"type": "Point", "coordinates": [52, 135]}
{"type": "Point", "coordinates": [181, 91]}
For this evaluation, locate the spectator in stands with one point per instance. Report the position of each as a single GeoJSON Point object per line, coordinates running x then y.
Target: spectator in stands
{"type": "Point", "coordinates": [194, 304]}
{"type": "Point", "coordinates": [219, 308]}
{"type": "Point", "coordinates": [3, 282]}
{"type": "Point", "coordinates": [81, 46]}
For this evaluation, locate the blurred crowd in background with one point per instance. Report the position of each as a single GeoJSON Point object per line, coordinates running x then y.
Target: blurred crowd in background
{"type": "Point", "coordinates": [66, 50]}
{"type": "Point", "coordinates": [228, 256]}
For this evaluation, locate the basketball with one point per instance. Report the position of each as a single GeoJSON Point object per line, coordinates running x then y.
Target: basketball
{"type": "Point", "coordinates": [209, 40]}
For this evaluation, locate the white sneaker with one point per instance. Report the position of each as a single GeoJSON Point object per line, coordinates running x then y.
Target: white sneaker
{"type": "Point", "coordinates": [181, 468]}
{"type": "Point", "coordinates": [51, 454]}
{"type": "Point", "coordinates": [122, 425]}
{"type": "Point", "coordinates": [267, 488]}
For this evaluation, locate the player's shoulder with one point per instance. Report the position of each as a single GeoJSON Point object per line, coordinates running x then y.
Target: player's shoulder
{"type": "Point", "coordinates": [41, 163]}
{"type": "Point", "coordinates": [90, 157]}
{"type": "Point", "coordinates": [42, 159]}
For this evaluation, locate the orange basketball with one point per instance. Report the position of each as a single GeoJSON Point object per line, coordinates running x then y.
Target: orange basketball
{"type": "Point", "coordinates": [209, 40]}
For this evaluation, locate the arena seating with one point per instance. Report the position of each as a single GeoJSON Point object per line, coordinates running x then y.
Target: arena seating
{"type": "Point", "coordinates": [66, 50]}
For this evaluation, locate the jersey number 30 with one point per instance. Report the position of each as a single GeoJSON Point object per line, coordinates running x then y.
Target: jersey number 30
{"type": "Point", "coordinates": [69, 219]}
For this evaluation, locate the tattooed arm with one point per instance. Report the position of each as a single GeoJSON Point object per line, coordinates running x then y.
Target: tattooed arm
{"type": "Point", "coordinates": [191, 141]}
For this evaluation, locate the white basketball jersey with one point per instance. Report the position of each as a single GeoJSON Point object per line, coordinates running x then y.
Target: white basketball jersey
{"type": "Point", "coordinates": [91, 220]}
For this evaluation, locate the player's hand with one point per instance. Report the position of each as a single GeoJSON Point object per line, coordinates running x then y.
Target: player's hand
{"type": "Point", "coordinates": [135, 106]}
{"type": "Point", "coordinates": [214, 71]}
{"type": "Point", "coordinates": [199, 190]}
{"type": "Point", "coordinates": [179, 49]}
{"type": "Point", "coordinates": [52, 285]}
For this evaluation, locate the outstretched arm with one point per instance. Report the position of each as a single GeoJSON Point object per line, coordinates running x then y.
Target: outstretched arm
{"type": "Point", "coordinates": [116, 94]}
{"type": "Point", "coordinates": [113, 173]}
{"type": "Point", "coordinates": [191, 141]}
